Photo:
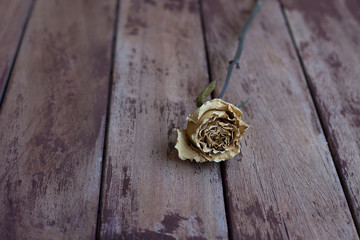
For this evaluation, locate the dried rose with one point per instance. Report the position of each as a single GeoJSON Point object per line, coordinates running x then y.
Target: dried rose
{"type": "Point", "coordinates": [213, 133]}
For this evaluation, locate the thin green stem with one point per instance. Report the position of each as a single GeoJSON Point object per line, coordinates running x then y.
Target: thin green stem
{"type": "Point", "coordinates": [243, 104]}
{"type": "Point", "coordinates": [240, 47]}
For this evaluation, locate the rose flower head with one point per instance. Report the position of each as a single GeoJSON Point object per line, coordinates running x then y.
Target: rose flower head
{"type": "Point", "coordinates": [213, 133]}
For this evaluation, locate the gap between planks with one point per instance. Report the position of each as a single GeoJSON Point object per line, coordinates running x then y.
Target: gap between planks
{"type": "Point", "coordinates": [108, 112]}
{"type": "Point", "coordinates": [222, 166]}
{"type": "Point", "coordinates": [3, 90]}
{"type": "Point", "coordinates": [320, 117]}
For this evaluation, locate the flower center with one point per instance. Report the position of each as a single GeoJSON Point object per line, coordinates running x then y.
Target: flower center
{"type": "Point", "coordinates": [217, 135]}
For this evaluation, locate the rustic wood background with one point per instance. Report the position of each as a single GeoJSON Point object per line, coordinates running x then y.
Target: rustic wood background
{"type": "Point", "coordinates": [90, 92]}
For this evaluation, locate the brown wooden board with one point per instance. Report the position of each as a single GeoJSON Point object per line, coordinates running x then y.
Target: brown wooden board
{"type": "Point", "coordinates": [283, 185]}
{"type": "Point", "coordinates": [13, 16]}
{"type": "Point", "coordinates": [327, 35]}
{"type": "Point", "coordinates": [160, 67]}
{"type": "Point", "coordinates": [52, 122]}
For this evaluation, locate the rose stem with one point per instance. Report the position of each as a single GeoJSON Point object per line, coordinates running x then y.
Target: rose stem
{"type": "Point", "coordinates": [240, 47]}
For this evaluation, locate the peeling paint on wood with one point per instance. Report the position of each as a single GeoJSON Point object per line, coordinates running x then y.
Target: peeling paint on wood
{"type": "Point", "coordinates": [52, 122]}
{"type": "Point", "coordinates": [285, 186]}
{"type": "Point", "coordinates": [332, 66]}
{"type": "Point", "coordinates": [149, 193]}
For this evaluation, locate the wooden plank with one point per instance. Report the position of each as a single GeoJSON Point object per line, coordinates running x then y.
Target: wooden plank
{"type": "Point", "coordinates": [52, 122]}
{"type": "Point", "coordinates": [283, 185]}
{"type": "Point", "coordinates": [149, 193]}
{"type": "Point", "coordinates": [327, 35]}
{"type": "Point", "coordinates": [13, 15]}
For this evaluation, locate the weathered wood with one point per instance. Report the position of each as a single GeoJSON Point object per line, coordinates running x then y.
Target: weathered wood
{"type": "Point", "coordinates": [13, 15]}
{"type": "Point", "coordinates": [160, 67]}
{"type": "Point", "coordinates": [52, 122]}
{"type": "Point", "coordinates": [283, 185]}
{"type": "Point", "coordinates": [327, 34]}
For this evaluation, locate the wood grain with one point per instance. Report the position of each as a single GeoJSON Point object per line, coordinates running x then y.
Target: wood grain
{"type": "Point", "coordinates": [52, 122]}
{"type": "Point", "coordinates": [13, 14]}
{"type": "Point", "coordinates": [283, 185]}
{"type": "Point", "coordinates": [160, 67]}
{"type": "Point", "coordinates": [327, 35]}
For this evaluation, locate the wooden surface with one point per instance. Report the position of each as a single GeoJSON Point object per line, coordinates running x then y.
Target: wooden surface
{"type": "Point", "coordinates": [148, 192]}
{"type": "Point", "coordinates": [283, 185]}
{"type": "Point", "coordinates": [329, 46]}
{"type": "Point", "coordinates": [13, 16]}
{"type": "Point", "coordinates": [52, 122]}
{"type": "Point", "coordinates": [97, 87]}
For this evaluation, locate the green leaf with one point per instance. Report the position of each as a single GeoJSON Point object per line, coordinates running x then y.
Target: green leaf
{"type": "Point", "coordinates": [243, 104]}
{"type": "Point", "coordinates": [204, 94]}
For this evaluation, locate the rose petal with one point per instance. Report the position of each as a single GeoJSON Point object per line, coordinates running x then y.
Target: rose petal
{"type": "Point", "coordinates": [184, 150]}
{"type": "Point", "coordinates": [215, 104]}
{"type": "Point", "coordinates": [213, 132]}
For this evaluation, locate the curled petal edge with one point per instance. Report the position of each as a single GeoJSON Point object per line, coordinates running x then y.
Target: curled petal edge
{"type": "Point", "coordinates": [184, 150]}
